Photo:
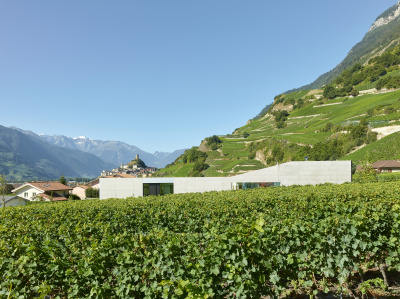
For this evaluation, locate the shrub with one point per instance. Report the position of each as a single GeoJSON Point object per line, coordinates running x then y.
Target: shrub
{"type": "Point", "coordinates": [73, 197]}
{"type": "Point", "coordinates": [280, 124]}
{"type": "Point", "coordinates": [214, 142]}
{"type": "Point", "coordinates": [92, 193]}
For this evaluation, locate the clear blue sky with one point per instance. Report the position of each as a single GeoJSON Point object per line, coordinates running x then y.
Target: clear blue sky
{"type": "Point", "coordinates": [163, 75]}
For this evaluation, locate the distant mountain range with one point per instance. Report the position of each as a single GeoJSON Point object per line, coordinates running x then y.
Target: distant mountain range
{"type": "Point", "coordinates": [28, 157]}
{"type": "Point", "coordinates": [114, 152]}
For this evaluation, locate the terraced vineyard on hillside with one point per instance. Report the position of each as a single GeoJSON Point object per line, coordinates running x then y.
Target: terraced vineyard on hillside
{"type": "Point", "coordinates": [320, 124]}
{"type": "Point", "coordinates": [305, 126]}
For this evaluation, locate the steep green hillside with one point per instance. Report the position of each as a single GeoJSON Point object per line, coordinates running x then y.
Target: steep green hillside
{"type": "Point", "coordinates": [336, 122]}
{"type": "Point", "coordinates": [317, 124]}
{"type": "Point", "coordinates": [25, 157]}
{"type": "Point", "coordinates": [382, 35]}
{"type": "Point", "coordinates": [319, 131]}
{"type": "Point", "coordinates": [384, 149]}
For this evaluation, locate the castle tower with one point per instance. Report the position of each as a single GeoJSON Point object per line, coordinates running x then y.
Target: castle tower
{"type": "Point", "coordinates": [137, 157]}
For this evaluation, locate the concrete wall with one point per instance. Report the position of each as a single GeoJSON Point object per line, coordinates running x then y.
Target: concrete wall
{"type": "Point", "coordinates": [269, 174]}
{"type": "Point", "coordinates": [301, 173]}
{"type": "Point", "coordinates": [291, 173]}
{"type": "Point", "coordinates": [120, 187]}
{"type": "Point", "coordinates": [201, 184]}
{"type": "Point", "coordinates": [314, 172]}
{"type": "Point", "coordinates": [128, 187]}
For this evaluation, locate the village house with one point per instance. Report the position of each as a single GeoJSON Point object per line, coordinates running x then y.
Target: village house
{"type": "Point", "coordinates": [80, 190]}
{"type": "Point", "coordinates": [131, 169]}
{"type": "Point", "coordinates": [386, 166]}
{"type": "Point", "coordinates": [48, 191]}
{"type": "Point", "coordinates": [106, 173]}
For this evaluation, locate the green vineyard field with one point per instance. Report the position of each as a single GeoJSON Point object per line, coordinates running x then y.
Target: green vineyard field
{"type": "Point", "coordinates": [235, 244]}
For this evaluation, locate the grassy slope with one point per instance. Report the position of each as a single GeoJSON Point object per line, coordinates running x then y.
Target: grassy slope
{"type": "Point", "coordinates": [302, 127]}
{"type": "Point", "coordinates": [387, 148]}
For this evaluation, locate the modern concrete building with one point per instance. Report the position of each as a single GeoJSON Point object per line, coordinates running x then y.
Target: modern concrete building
{"type": "Point", "coordinates": [291, 173]}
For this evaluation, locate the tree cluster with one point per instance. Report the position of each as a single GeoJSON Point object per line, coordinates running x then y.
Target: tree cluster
{"type": "Point", "coordinates": [73, 197]}
{"type": "Point", "coordinates": [289, 101]}
{"type": "Point", "coordinates": [214, 142]}
{"type": "Point", "coordinates": [377, 67]}
{"type": "Point", "coordinates": [62, 180]}
{"type": "Point", "coordinates": [297, 104]}
{"type": "Point", "coordinates": [197, 169]}
{"type": "Point", "coordinates": [193, 155]}
{"type": "Point", "coordinates": [331, 92]}
{"type": "Point", "coordinates": [342, 144]}
{"type": "Point", "coordinates": [197, 157]}
{"type": "Point", "coordinates": [383, 109]}
{"type": "Point", "coordinates": [280, 118]}
{"type": "Point", "coordinates": [388, 82]}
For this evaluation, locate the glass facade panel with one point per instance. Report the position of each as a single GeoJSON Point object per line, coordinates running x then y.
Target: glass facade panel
{"type": "Point", "coordinates": [158, 189]}
{"type": "Point", "coordinates": [251, 185]}
{"type": "Point", "coordinates": [166, 189]}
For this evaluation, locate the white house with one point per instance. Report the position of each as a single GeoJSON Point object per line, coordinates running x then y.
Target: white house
{"type": "Point", "coordinates": [80, 190]}
{"type": "Point", "coordinates": [49, 191]}
{"type": "Point", "coordinates": [12, 201]}
{"type": "Point", "coordinates": [291, 173]}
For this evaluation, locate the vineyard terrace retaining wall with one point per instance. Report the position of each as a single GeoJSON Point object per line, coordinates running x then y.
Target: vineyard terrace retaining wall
{"type": "Point", "coordinates": [290, 173]}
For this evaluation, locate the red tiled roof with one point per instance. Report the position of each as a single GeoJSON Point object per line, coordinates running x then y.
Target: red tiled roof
{"type": "Point", "coordinates": [46, 186]}
{"type": "Point", "coordinates": [94, 182]}
{"type": "Point", "coordinates": [124, 175]}
{"type": "Point", "coordinates": [386, 164]}
{"type": "Point", "coordinates": [50, 186]}
{"type": "Point", "coordinates": [120, 176]}
{"type": "Point", "coordinates": [82, 186]}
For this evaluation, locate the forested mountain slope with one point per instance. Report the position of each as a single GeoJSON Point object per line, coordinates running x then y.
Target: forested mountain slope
{"type": "Point", "coordinates": [26, 157]}
{"type": "Point", "coordinates": [383, 33]}
{"type": "Point", "coordinates": [114, 152]}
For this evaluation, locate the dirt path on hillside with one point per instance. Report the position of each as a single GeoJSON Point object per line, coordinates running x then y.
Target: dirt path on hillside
{"type": "Point", "coordinates": [385, 131]}
{"type": "Point", "coordinates": [323, 105]}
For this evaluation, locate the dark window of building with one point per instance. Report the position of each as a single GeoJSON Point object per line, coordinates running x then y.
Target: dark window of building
{"type": "Point", "coordinates": [255, 185]}
{"type": "Point", "coordinates": [158, 189]}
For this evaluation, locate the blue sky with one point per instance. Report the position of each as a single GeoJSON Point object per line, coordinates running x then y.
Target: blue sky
{"type": "Point", "coordinates": [163, 75]}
